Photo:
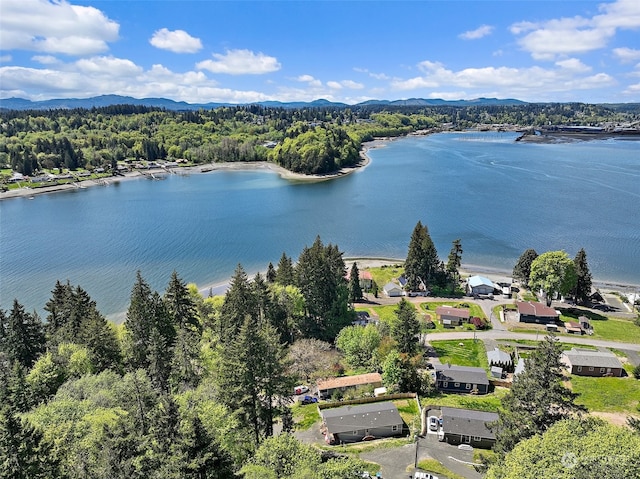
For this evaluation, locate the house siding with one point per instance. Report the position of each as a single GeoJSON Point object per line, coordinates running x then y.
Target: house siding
{"type": "Point", "coordinates": [462, 388]}
{"type": "Point", "coordinates": [597, 371]}
{"type": "Point", "coordinates": [378, 432]}
{"type": "Point", "coordinates": [528, 318]}
{"type": "Point", "coordinates": [481, 442]}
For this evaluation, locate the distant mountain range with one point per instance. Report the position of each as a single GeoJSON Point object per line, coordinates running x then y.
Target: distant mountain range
{"type": "Point", "coordinates": [107, 100]}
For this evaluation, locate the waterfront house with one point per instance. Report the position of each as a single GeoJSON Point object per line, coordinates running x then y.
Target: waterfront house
{"type": "Point", "coordinates": [365, 279]}
{"type": "Point", "coordinates": [450, 316]}
{"type": "Point", "coordinates": [468, 426]}
{"type": "Point", "coordinates": [587, 362]}
{"type": "Point", "coordinates": [327, 387]}
{"type": "Point", "coordinates": [533, 312]}
{"type": "Point", "coordinates": [361, 422]}
{"type": "Point", "coordinates": [480, 285]}
{"type": "Point", "coordinates": [461, 379]}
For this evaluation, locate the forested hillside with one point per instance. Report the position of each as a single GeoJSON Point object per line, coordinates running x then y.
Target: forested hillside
{"type": "Point", "coordinates": [307, 140]}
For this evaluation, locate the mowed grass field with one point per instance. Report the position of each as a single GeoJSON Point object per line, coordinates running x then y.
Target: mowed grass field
{"type": "Point", "coordinates": [465, 352]}
{"type": "Point", "coordinates": [607, 394]}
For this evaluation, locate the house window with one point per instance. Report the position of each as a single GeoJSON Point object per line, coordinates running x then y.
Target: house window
{"type": "Point", "coordinates": [602, 370]}
{"type": "Point", "coordinates": [355, 433]}
{"type": "Point", "coordinates": [445, 384]}
{"type": "Point", "coordinates": [468, 386]}
{"type": "Point", "coordinates": [579, 368]}
{"type": "Point", "coordinates": [590, 368]}
{"type": "Point", "coordinates": [477, 438]}
{"type": "Point", "coordinates": [457, 385]}
{"type": "Point", "coordinates": [394, 428]}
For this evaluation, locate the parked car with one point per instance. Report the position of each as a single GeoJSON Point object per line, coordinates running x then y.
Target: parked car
{"type": "Point", "coordinates": [301, 389]}
{"type": "Point", "coordinates": [433, 423]}
{"type": "Point", "coordinates": [309, 400]}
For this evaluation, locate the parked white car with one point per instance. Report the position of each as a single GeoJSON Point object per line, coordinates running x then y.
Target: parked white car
{"type": "Point", "coordinates": [433, 423]}
{"type": "Point", "coordinates": [423, 475]}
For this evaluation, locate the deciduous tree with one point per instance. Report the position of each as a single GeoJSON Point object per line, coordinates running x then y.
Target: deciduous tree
{"type": "Point", "coordinates": [553, 273]}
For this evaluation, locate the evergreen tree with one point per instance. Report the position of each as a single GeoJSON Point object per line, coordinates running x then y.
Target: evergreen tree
{"type": "Point", "coordinates": [238, 302]}
{"type": "Point", "coordinates": [355, 291]}
{"type": "Point", "coordinates": [522, 269]}
{"type": "Point", "coordinates": [24, 339]}
{"type": "Point", "coordinates": [58, 310]}
{"type": "Point", "coordinates": [537, 399]}
{"type": "Point", "coordinates": [405, 327]}
{"type": "Point", "coordinates": [454, 262]}
{"type": "Point", "coordinates": [285, 273]}
{"type": "Point", "coordinates": [271, 273]}
{"type": "Point", "coordinates": [583, 283]}
{"type": "Point", "coordinates": [180, 305]}
{"type": "Point", "coordinates": [422, 259]}
{"type": "Point", "coordinates": [24, 454]}
{"type": "Point", "coordinates": [320, 276]}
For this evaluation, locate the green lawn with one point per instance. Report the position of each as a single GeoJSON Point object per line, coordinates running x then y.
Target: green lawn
{"type": "Point", "coordinates": [385, 313]}
{"type": "Point", "coordinates": [431, 465]}
{"type": "Point", "coordinates": [385, 274]}
{"type": "Point", "coordinates": [485, 402]}
{"type": "Point", "coordinates": [305, 416]}
{"type": "Point", "coordinates": [607, 394]}
{"type": "Point", "coordinates": [531, 342]}
{"type": "Point", "coordinates": [474, 309]}
{"type": "Point", "coordinates": [471, 353]}
{"type": "Point", "coordinates": [614, 329]}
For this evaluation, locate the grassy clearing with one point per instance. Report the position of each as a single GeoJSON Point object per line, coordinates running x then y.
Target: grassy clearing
{"type": "Point", "coordinates": [386, 313]}
{"type": "Point", "coordinates": [471, 353]}
{"type": "Point", "coordinates": [431, 465]}
{"type": "Point", "coordinates": [409, 413]}
{"type": "Point", "coordinates": [305, 416]}
{"type": "Point", "coordinates": [488, 402]}
{"type": "Point", "coordinates": [385, 274]}
{"type": "Point", "coordinates": [615, 329]}
{"type": "Point", "coordinates": [607, 394]}
{"type": "Point", "coordinates": [531, 342]}
{"type": "Point", "coordinates": [474, 309]}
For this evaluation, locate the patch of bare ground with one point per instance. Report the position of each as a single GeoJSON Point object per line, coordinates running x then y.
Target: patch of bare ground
{"type": "Point", "coordinates": [615, 418]}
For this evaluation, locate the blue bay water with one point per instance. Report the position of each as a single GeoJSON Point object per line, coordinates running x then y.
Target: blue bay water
{"type": "Point", "coordinates": [498, 196]}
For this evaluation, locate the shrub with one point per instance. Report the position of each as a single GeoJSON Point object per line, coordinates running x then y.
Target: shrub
{"type": "Point", "coordinates": [636, 372]}
{"type": "Point", "coordinates": [429, 325]}
{"type": "Point", "coordinates": [479, 323]}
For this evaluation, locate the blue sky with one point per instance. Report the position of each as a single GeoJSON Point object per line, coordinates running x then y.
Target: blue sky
{"type": "Point", "coordinates": [350, 51]}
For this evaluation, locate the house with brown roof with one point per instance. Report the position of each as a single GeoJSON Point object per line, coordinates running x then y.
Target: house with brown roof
{"type": "Point", "coordinates": [327, 387]}
{"type": "Point", "coordinates": [365, 279]}
{"type": "Point", "coordinates": [450, 316]}
{"type": "Point", "coordinates": [572, 327]}
{"type": "Point", "coordinates": [587, 362]}
{"type": "Point", "coordinates": [533, 312]}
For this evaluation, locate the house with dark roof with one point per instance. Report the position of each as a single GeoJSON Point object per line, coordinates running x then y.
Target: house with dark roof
{"type": "Point", "coordinates": [461, 379]}
{"type": "Point", "coordinates": [450, 316]}
{"type": "Point", "coordinates": [586, 362]}
{"type": "Point", "coordinates": [468, 426]}
{"type": "Point", "coordinates": [533, 312]}
{"type": "Point", "coordinates": [327, 387]}
{"type": "Point", "coordinates": [357, 422]}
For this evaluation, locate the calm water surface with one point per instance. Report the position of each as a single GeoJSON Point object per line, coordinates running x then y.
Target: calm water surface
{"type": "Point", "coordinates": [498, 196]}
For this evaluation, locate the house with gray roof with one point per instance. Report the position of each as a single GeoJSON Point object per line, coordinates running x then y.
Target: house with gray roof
{"type": "Point", "coordinates": [357, 422]}
{"type": "Point", "coordinates": [461, 379]}
{"type": "Point", "coordinates": [391, 289]}
{"type": "Point", "coordinates": [586, 362]}
{"type": "Point", "coordinates": [480, 285]}
{"type": "Point", "coordinates": [468, 426]}
{"type": "Point", "coordinates": [500, 358]}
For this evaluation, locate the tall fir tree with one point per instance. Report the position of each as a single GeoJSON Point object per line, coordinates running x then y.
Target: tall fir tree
{"type": "Point", "coordinates": [422, 261]}
{"type": "Point", "coordinates": [583, 283]}
{"type": "Point", "coordinates": [355, 291]}
{"type": "Point", "coordinates": [238, 303]}
{"type": "Point", "coordinates": [405, 327]}
{"type": "Point", "coordinates": [522, 268]}
{"type": "Point", "coordinates": [24, 338]}
{"type": "Point", "coordinates": [285, 272]}
{"type": "Point", "coordinates": [271, 273]}
{"type": "Point", "coordinates": [537, 399]}
{"type": "Point", "coordinates": [454, 262]}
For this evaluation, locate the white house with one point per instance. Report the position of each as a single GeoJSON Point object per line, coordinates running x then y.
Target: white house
{"type": "Point", "coordinates": [480, 285]}
{"type": "Point", "coordinates": [392, 290]}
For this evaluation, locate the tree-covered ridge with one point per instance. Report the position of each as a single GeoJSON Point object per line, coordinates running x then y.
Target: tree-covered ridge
{"type": "Point", "coordinates": [307, 140]}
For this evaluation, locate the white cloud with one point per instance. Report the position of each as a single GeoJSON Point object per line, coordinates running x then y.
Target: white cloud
{"type": "Point", "coordinates": [632, 90]}
{"type": "Point", "coordinates": [177, 41]}
{"type": "Point", "coordinates": [334, 85]}
{"type": "Point", "coordinates": [569, 36]}
{"type": "Point", "coordinates": [573, 64]}
{"type": "Point", "coordinates": [5, 58]}
{"type": "Point", "coordinates": [350, 84]}
{"type": "Point", "coordinates": [45, 59]}
{"type": "Point", "coordinates": [313, 82]}
{"type": "Point", "coordinates": [240, 62]}
{"type": "Point", "coordinates": [532, 82]}
{"type": "Point", "coordinates": [377, 76]}
{"type": "Point", "coordinates": [55, 27]}
{"type": "Point", "coordinates": [626, 55]}
{"type": "Point", "coordinates": [108, 66]}
{"type": "Point", "coordinates": [481, 31]}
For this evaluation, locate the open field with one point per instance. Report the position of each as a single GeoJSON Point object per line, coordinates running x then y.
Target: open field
{"type": "Point", "coordinates": [607, 394]}
{"type": "Point", "coordinates": [471, 353]}
{"type": "Point", "coordinates": [611, 329]}
{"type": "Point", "coordinates": [486, 402]}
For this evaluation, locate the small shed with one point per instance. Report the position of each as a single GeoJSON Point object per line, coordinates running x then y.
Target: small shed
{"type": "Point", "coordinates": [496, 372]}
{"type": "Point", "coordinates": [572, 327]}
